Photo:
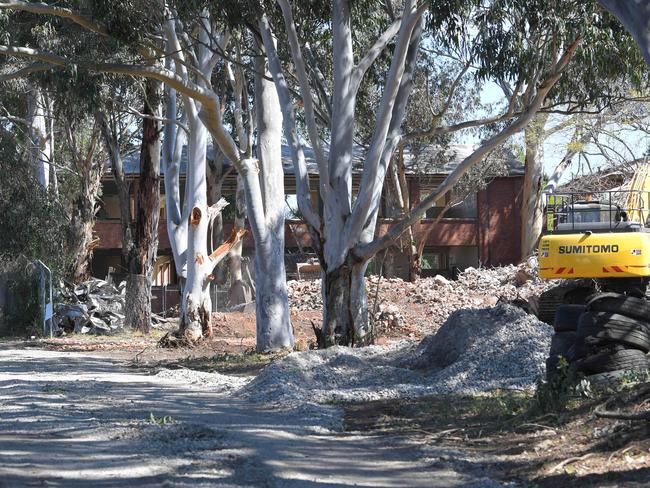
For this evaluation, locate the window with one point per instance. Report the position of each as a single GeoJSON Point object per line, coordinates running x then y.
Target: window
{"type": "Point", "coordinates": [431, 261]}
{"type": "Point", "coordinates": [437, 208]}
{"type": "Point", "coordinates": [466, 209]}
{"type": "Point", "coordinates": [163, 272]}
{"type": "Point", "coordinates": [109, 207]}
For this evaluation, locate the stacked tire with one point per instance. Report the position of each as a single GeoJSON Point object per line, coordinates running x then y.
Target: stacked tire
{"type": "Point", "coordinates": [563, 341]}
{"type": "Point", "coordinates": [606, 340]}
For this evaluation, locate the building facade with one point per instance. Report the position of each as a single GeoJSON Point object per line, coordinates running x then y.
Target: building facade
{"type": "Point", "coordinates": [482, 230]}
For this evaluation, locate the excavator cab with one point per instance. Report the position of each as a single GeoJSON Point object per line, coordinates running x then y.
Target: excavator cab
{"type": "Point", "coordinates": [596, 236]}
{"type": "Point", "coordinates": [590, 215]}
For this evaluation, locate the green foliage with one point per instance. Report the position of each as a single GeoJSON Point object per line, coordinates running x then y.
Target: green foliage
{"type": "Point", "coordinates": [500, 405]}
{"type": "Point", "coordinates": [160, 421]}
{"type": "Point", "coordinates": [22, 311]}
{"type": "Point", "coordinates": [554, 395]}
{"type": "Point", "coordinates": [127, 20]}
{"type": "Point", "coordinates": [33, 222]}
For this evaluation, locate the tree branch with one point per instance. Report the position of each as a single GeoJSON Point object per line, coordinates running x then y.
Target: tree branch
{"type": "Point", "coordinates": [366, 251]}
{"type": "Point", "coordinates": [289, 121]}
{"type": "Point", "coordinates": [27, 70]}
{"type": "Point", "coordinates": [373, 52]}
{"type": "Point", "coordinates": [305, 89]}
{"type": "Point", "coordinates": [45, 9]}
{"type": "Point", "coordinates": [391, 113]}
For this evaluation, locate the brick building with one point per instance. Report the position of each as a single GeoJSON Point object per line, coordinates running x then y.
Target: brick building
{"type": "Point", "coordinates": [484, 230]}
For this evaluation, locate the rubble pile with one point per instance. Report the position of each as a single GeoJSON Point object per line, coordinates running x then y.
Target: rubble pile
{"type": "Point", "coordinates": [424, 305]}
{"type": "Point", "coordinates": [388, 317]}
{"type": "Point", "coordinates": [474, 351]}
{"type": "Point", "coordinates": [93, 307]}
{"type": "Point", "coordinates": [305, 295]}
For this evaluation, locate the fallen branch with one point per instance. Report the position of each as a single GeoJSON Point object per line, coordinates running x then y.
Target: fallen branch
{"type": "Point", "coordinates": [571, 460]}
{"type": "Point", "coordinates": [604, 410]}
{"type": "Point", "coordinates": [617, 414]}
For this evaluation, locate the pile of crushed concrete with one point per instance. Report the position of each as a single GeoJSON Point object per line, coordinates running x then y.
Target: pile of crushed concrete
{"type": "Point", "coordinates": [474, 351]}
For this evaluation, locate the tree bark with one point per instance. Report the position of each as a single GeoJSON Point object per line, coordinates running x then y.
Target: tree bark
{"type": "Point", "coordinates": [41, 150]}
{"type": "Point", "coordinates": [80, 241]}
{"type": "Point", "coordinates": [345, 306]}
{"type": "Point", "coordinates": [274, 330]}
{"type": "Point", "coordinates": [215, 177]}
{"type": "Point", "coordinates": [532, 211]}
{"type": "Point", "coordinates": [196, 305]}
{"type": "Point", "coordinates": [80, 235]}
{"type": "Point", "coordinates": [240, 291]}
{"type": "Point", "coordinates": [123, 187]}
{"type": "Point", "coordinates": [142, 255]}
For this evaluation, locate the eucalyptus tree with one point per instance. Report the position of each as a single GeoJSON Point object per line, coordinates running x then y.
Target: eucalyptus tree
{"type": "Point", "coordinates": [34, 220]}
{"type": "Point", "coordinates": [137, 28]}
{"type": "Point", "coordinates": [82, 147]}
{"type": "Point", "coordinates": [344, 230]}
{"type": "Point", "coordinates": [117, 118]}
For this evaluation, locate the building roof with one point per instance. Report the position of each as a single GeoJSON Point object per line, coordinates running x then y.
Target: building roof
{"type": "Point", "coordinates": [430, 161]}
{"type": "Point", "coordinates": [435, 160]}
{"type": "Point", "coordinates": [610, 178]}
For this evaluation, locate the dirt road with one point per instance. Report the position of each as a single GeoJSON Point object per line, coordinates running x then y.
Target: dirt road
{"type": "Point", "coordinates": [70, 419]}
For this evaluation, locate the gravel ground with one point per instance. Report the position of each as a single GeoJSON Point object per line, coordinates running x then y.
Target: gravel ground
{"type": "Point", "coordinates": [215, 382]}
{"type": "Point", "coordinates": [474, 351]}
{"type": "Point", "coordinates": [73, 420]}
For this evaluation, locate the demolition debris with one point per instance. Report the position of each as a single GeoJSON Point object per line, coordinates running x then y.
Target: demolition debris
{"type": "Point", "coordinates": [413, 310]}
{"type": "Point", "coordinates": [93, 307]}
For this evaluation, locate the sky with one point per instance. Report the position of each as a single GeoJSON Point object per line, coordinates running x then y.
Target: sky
{"type": "Point", "coordinates": [555, 146]}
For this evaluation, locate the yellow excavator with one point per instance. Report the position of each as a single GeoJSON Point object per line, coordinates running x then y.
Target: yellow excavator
{"type": "Point", "coordinates": [603, 237]}
{"type": "Point", "coordinates": [599, 243]}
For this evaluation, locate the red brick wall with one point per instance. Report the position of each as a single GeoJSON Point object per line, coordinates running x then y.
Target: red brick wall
{"type": "Point", "coordinates": [110, 234]}
{"type": "Point", "coordinates": [448, 232]}
{"type": "Point", "coordinates": [499, 229]}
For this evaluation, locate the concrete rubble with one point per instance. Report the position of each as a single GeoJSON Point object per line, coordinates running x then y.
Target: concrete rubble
{"type": "Point", "coordinates": [423, 306]}
{"type": "Point", "coordinates": [95, 307]}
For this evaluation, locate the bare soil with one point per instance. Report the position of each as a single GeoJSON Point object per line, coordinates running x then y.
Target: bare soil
{"type": "Point", "coordinates": [560, 449]}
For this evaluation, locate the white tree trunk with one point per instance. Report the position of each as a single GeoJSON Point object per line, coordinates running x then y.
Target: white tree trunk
{"type": "Point", "coordinates": [532, 212]}
{"type": "Point", "coordinates": [176, 214]}
{"type": "Point", "coordinates": [240, 291]}
{"type": "Point", "coordinates": [41, 151]}
{"type": "Point", "coordinates": [196, 305]}
{"type": "Point", "coordinates": [274, 330]}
